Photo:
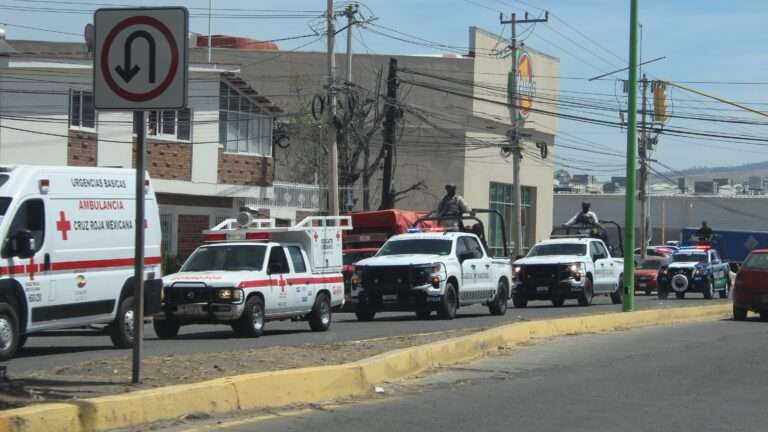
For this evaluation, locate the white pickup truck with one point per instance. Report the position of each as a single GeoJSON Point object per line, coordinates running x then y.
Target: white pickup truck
{"type": "Point", "coordinates": [430, 271]}
{"type": "Point", "coordinates": [250, 272]}
{"type": "Point", "coordinates": [567, 268]}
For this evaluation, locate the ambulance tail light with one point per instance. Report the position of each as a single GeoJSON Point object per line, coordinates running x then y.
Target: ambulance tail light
{"type": "Point", "coordinates": [212, 237]}
{"type": "Point", "coordinates": [258, 236]}
{"type": "Point", "coordinates": [45, 185]}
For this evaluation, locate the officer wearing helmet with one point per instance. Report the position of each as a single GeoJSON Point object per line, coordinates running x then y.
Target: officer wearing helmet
{"type": "Point", "coordinates": [585, 217]}
{"type": "Point", "coordinates": [452, 205]}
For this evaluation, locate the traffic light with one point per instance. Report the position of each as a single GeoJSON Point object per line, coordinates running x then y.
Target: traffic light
{"type": "Point", "coordinates": [660, 102]}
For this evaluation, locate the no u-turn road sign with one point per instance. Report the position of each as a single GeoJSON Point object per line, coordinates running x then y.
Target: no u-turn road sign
{"type": "Point", "coordinates": [140, 60]}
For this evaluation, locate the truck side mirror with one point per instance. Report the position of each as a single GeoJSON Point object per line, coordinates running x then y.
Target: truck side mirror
{"type": "Point", "coordinates": [465, 256]}
{"type": "Point", "coordinates": [22, 244]}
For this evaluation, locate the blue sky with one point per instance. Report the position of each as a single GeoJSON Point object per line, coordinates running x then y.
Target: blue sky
{"type": "Point", "coordinates": [704, 40]}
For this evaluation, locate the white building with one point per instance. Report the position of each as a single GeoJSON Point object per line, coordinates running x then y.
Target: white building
{"type": "Point", "coordinates": [205, 161]}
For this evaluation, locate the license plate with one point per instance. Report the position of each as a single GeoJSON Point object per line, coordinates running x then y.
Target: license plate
{"type": "Point", "coordinates": [389, 297]}
{"type": "Point", "coordinates": [542, 289]}
{"type": "Point", "coordinates": [188, 309]}
{"type": "Point", "coordinates": [642, 285]}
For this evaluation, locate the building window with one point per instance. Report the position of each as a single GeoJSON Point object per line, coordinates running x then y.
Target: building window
{"type": "Point", "coordinates": [174, 125]}
{"type": "Point", "coordinates": [241, 128]}
{"type": "Point", "coordinates": [502, 199]}
{"type": "Point", "coordinates": [82, 114]}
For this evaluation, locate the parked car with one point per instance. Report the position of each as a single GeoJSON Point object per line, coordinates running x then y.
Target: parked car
{"type": "Point", "coordinates": [750, 292]}
{"type": "Point", "coordinates": [647, 273]}
{"type": "Point", "coordinates": [695, 269]}
{"type": "Point", "coordinates": [658, 251]}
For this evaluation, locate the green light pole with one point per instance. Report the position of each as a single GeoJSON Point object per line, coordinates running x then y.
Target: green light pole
{"type": "Point", "coordinates": [629, 217]}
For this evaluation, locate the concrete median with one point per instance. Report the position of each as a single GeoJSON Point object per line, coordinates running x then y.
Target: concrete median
{"type": "Point", "coordinates": [311, 385]}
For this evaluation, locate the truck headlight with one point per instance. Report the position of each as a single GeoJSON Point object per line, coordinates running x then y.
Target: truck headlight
{"type": "Point", "coordinates": [356, 280]}
{"type": "Point", "coordinates": [225, 294]}
{"type": "Point", "coordinates": [577, 270]}
{"type": "Point", "coordinates": [517, 273]}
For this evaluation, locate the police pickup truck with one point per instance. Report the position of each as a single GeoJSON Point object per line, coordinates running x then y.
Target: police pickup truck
{"type": "Point", "coordinates": [563, 268]}
{"type": "Point", "coordinates": [250, 272]}
{"type": "Point", "coordinates": [695, 269]}
{"type": "Point", "coordinates": [431, 269]}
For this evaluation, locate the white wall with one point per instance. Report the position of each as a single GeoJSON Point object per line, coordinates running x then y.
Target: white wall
{"type": "Point", "coordinates": [204, 102]}
{"type": "Point", "coordinates": [36, 105]}
{"type": "Point", "coordinates": [111, 127]}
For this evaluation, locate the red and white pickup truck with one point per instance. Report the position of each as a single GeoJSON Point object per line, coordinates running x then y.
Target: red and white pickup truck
{"type": "Point", "coordinates": [250, 272]}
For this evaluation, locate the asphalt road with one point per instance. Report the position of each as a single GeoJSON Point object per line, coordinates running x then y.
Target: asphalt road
{"type": "Point", "coordinates": [701, 377]}
{"type": "Point", "coordinates": [63, 348]}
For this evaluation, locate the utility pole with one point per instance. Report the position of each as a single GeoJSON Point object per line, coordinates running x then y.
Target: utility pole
{"type": "Point", "coordinates": [333, 149]}
{"type": "Point", "coordinates": [644, 172]}
{"type": "Point", "coordinates": [350, 11]}
{"type": "Point", "coordinates": [629, 200]}
{"type": "Point", "coordinates": [391, 119]}
{"type": "Point", "coordinates": [517, 153]}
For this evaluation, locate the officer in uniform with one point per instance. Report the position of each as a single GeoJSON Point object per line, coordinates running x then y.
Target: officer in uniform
{"type": "Point", "coordinates": [451, 206]}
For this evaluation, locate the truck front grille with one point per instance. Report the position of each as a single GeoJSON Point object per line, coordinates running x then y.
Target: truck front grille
{"type": "Point", "coordinates": [188, 293]}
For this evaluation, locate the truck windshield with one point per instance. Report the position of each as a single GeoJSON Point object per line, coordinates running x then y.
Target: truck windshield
{"type": "Point", "coordinates": [558, 249]}
{"type": "Point", "coordinates": [226, 257]}
{"type": "Point", "coordinates": [702, 258]}
{"type": "Point", "coordinates": [416, 246]}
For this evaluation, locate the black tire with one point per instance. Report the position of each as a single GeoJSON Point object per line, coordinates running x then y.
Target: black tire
{"type": "Point", "coordinates": [617, 297]}
{"type": "Point", "coordinates": [121, 329]}
{"type": "Point", "coordinates": [365, 313]}
{"type": "Point", "coordinates": [320, 317]}
{"type": "Point", "coordinates": [647, 292]}
{"type": "Point", "coordinates": [449, 303]}
{"type": "Point", "coordinates": [558, 302]}
{"type": "Point", "coordinates": [725, 292]}
{"type": "Point", "coordinates": [586, 297]}
{"type": "Point", "coordinates": [680, 295]}
{"type": "Point", "coordinates": [764, 316]}
{"type": "Point", "coordinates": [9, 331]}
{"type": "Point", "coordinates": [739, 313]}
{"type": "Point", "coordinates": [709, 290]}
{"type": "Point", "coordinates": [498, 305]}
{"type": "Point", "coordinates": [423, 314]}
{"type": "Point", "coordinates": [22, 341]}
{"type": "Point", "coordinates": [520, 301]}
{"type": "Point", "coordinates": [167, 328]}
{"type": "Point", "coordinates": [662, 294]}
{"type": "Point", "coordinates": [251, 322]}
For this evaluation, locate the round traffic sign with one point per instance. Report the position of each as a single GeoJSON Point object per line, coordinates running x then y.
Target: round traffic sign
{"type": "Point", "coordinates": [108, 73]}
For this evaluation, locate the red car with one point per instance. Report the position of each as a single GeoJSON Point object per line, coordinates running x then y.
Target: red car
{"type": "Point", "coordinates": [750, 292]}
{"type": "Point", "coordinates": [647, 273]}
{"type": "Point", "coordinates": [351, 256]}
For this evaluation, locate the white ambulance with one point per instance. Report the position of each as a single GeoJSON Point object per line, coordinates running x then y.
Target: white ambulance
{"type": "Point", "coordinates": [68, 250]}
{"type": "Point", "coordinates": [251, 271]}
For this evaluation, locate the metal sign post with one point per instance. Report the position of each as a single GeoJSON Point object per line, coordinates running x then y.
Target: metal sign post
{"type": "Point", "coordinates": [140, 64]}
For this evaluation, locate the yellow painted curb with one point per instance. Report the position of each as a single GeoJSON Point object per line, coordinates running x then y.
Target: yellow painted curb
{"type": "Point", "coordinates": [308, 385]}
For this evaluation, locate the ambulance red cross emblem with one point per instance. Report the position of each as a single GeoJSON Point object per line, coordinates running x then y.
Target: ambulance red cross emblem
{"type": "Point", "coordinates": [63, 225]}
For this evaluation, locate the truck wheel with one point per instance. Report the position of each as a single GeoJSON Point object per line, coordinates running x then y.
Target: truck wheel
{"type": "Point", "coordinates": [647, 292]}
{"type": "Point", "coordinates": [519, 300]}
{"type": "Point", "coordinates": [662, 294]}
{"type": "Point", "coordinates": [9, 332]}
{"type": "Point", "coordinates": [617, 297]}
{"type": "Point", "coordinates": [585, 298]}
{"type": "Point", "coordinates": [121, 329]}
{"type": "Point", "coordinates": [498, 305]}
{"type": "Point", "coordinates": [763, 316]}
{"type": "Point", "coordinates": [166, 328]}
{"type": "Point", "coordinates": [251, 322]}
{"type": "Point", "coordinates": [365, 313]}
{"type": "Point", "coordinates": [423, 314]}
{"type": "Point", "coordinates": [739, 313]}
{"type": "Point", "coordinates": [709, 290]}
{"type": "Point", "coordinates": [558, 302]}
{"type": "Point", "coordinates": [726, 291]}
{"type": "Point", "coordinates": [680, 295]}
{"type": "Point", "coordinates": [320, 317]}
{"type": "Point", "coordinates": [449, 303]}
